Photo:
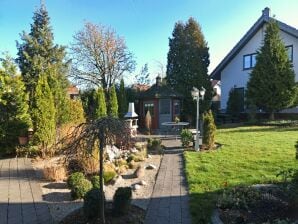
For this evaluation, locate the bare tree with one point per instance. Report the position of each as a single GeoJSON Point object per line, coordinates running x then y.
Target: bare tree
{"type": "Point", "coordinates": [104, 131]}
{"type": "Point", "coordinates": [99, 56]}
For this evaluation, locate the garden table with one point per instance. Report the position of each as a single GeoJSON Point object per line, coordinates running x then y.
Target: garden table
{"type": "Point", "coordinates": [175, 125]}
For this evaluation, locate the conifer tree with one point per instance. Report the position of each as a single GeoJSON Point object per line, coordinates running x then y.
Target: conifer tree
{"type": "Point", "coordinates": [187, 67]}
{"type": "Point", "coordinates": [209, 130]}
{"type": "Point", "coordinates": [44, 116]}
{"type": "Point", "coordinates": [122, 102]}
{"type": "Point", "coordinates": [37, 54]}
{"type": "Point", "coordinates": [100, 104]}
{"type": "Point", "coordinates": [234, 105]}
{"type": "Point", "coordinates": [14, 116]}
{"type": "Point", "coordinates": [113, 104]}
{"type": "Point", "coordinates": [271, 86]}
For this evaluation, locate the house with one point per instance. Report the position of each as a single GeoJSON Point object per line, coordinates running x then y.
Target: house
{"type": "Point", "coordinates": [73, 92]}
{"type": "Point", "coordinates": [216, 86]}
{"type": "Point", "coordinates": [161, 101]}
{"type": "Point", "coordinates": [234, 70]}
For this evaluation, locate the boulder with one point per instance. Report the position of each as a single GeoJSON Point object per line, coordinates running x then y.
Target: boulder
{"type": "Point", "coordinates": [139, 172]}
{"type": "Point", "coordinates": [151, 167]}
{"type": "Point", "coordinates": [143, 183]}
{"type": "Point", "coordinates": [136, 187]}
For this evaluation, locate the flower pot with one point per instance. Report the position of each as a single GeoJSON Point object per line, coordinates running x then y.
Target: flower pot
{"type": "Point", "coordinates": [23, 140]}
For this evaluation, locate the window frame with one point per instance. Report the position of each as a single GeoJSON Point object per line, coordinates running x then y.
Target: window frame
{"type": "Point", "coordinates": [292, 51]}
{"type": "Point", "coordinates": [151, 103]}
{"type": "Point", "coordinates": [250, 61]}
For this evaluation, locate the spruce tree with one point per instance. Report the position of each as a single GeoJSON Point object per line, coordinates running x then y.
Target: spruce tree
{"type": "Point", "coordinates": [14, 119]}
{"type": "Point", "coordinates": [113, 104]}
{"type": "Point", "coordinates": [37, 54]}
{"type": "Point", "coordinates": [122, 102]}
{"type": "Point", "coordinates": [43, 115]}
{"type": "Point", "coordinates": [234, 105]}
{"type": "Point", "coordinates": [271, 86]}
{"type": "Point", "coordinates": [100, 104]}
{"type": "Point", "coordinates": [187, 67]}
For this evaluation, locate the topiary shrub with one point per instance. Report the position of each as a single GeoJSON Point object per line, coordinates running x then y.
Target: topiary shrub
{"type": "Point", "coordinates": [209, 129]}
{"type": "Point", "coordinates": [74, 178]}
{"type": "Point", "coordinates": [186, 137]}
{"type": "Point", "coordinates": [122, 201]}
{"type": "Point", "coordinates": [80, 188]}
{"type": "Point", "coordinates": [92, 203]}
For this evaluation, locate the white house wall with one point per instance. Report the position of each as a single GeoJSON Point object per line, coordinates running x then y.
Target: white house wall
{"type": "Point", "coordinates": [233, 74]}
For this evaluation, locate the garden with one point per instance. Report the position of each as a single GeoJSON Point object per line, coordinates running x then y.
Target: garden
{"type": "Point", "coordinates": [250, 178]}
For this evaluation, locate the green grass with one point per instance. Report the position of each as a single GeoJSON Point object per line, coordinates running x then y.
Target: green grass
{"type": "Point", "coordinates": [249, 155]}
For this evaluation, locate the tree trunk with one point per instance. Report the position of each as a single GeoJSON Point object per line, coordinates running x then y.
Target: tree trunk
{"type": "Point", "coordinates": [271, 116]}
{"type": "Point", "coordinates": [102, 203]}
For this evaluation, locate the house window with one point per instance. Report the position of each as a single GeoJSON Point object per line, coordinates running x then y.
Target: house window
{"type": "Point", "coordinates": [165, 106]}
{"type": "Point", "coordinates": [149, 107]}
{"type": "Point", "coordinates": [249, 61]}
{"type": "Point", "coordinates": [176, 108]}
{"type": "Point", "coordinates": [290, 52]}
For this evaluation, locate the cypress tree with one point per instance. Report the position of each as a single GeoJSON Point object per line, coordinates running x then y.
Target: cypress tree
{"type": "Point", "coordinates": [187, 67]}
{"type": "Point", "coordinates": [100, 104]}
{"type": "Point", "coordinates": [122, 102]}
{"type": "Point", "coordinates": [271, 86]}
{"type": "Point", "coordinates": [113, 105]}
{"type": "Point", "coordinates": [44, 116]}
{"type": "Point", "coordinates": [209, 130]}
{"type": "Point", "coordinates": [37, 54]}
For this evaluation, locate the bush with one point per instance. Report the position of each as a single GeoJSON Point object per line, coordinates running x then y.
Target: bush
{"type": "Point", "coordinates": [74, 178]}
{"type": "Point", "coordinates": [296, 146]}
{"type": "Point", "coordinates": [109, 175]}
{"type": "Point", "coordinates": [186, 137]}
{"type": "Point", "coordinates": [91, 203]}
{"type": "Point", "coordinates": [80, 188]}
{"type": "Point", "coordinates": [54, 173]}
{"type": "Point", "coordinates": [122, 200]}
{"type": "Point", "coordinates": [154, 144]}
{"type": "Point", "coordinates": [209, 129]}
{"type": "Point", "coordinates": [95, 181]}
{"type": "Point", "coordinates": [74, 165]}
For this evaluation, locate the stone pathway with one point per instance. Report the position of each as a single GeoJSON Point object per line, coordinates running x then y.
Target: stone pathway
{"type": "Point", "coordinates": [169, 203]}
{"type": "Point", "coordinates": [20, 194]}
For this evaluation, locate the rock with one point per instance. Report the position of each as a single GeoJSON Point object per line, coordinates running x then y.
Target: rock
{"type": "Point", "coordinates": [149, 156]}
{"type": "Point", "coordinates": [140, 172]}
{"type": "Point", "coordinates": [143, 183]}
{"type": "Point", "coordinates": [136, 187]}
{"type": "Point", "coordinates": [151, 167]}
{"type": "Point", "coordinates": [132, 164]}
{"type": "Point", "coordinates": [113, 152]}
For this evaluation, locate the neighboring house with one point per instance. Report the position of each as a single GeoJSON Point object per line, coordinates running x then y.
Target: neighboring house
{"type": "Point", "coordinates": [73, 92]}
{"type": "Point", "coordinates": [162, 102]}
{"type": "Point", "coordinates": [234, 70]}
{"type": "Point", "coordinates": [216, 85]}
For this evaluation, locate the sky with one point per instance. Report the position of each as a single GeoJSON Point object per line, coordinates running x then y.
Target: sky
{"type": "Point", "coordinates": [146, 25]}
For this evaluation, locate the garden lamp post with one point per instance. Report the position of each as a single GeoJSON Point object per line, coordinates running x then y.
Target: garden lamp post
{"type": "Point", "coordinates": [196, 96]}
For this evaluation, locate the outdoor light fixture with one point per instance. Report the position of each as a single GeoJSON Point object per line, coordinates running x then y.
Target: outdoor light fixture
{"type": "Point", "coordinates": [197, 95]}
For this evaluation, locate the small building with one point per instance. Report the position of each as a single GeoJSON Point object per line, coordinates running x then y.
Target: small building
{"type": "Point", "coordinates": [217, 92]}
{"type": "Point", "coordinates": [73, 92]}
{"type": "Point", "coordinates": [161, 101]}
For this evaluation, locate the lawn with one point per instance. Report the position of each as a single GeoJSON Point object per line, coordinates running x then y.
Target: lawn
{"type": "Point", "coordinates": [249, 155]}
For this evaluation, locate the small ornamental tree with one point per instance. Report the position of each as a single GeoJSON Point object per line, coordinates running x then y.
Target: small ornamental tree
{"type": "Point", "coordinates": [113, 104]}
{"type": "Point", "coordinates": [76, 112]}
{"type": "Point", "coordinates": [234, 105]}
{"type": "Point", "coordinates": [148, 122]}
{"type": "Point", "coordinates": [122, 102]}
{"type": "Point", "coordinates": [271, 86]}
{"type": "Point", "coordinates": [100, 104]}
{"type": "Point", "coordinates": [209, 130]}
{"type": "Point", "coordinates": [44, 116]}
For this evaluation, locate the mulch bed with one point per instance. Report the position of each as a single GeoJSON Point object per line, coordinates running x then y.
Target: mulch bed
{"type": "Point", "coordinates": [136, 215]}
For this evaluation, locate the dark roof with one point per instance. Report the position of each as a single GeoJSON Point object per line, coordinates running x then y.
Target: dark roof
{"type": "Point", "coordinates": [265, 18]}
{"type": "Point", "coordinates": [159, 91]}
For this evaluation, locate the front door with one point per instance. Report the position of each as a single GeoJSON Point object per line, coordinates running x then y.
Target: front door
{"type": "Point", "coordinates": [165, 108]}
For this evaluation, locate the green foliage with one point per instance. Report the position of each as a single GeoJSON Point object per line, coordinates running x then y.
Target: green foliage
{"type": "Point", "coordinates": [186, 137]}
{"type": "Point", "coordinates": [78, 184]}
{"type": "Point", "coordinates": [296, 146]}
{"type": "Point", "coordinates": [109, 175]}
{"type": "Point", "coordinates": [234, 104]}
{"type": "Point", "coordinates": [122, 102]}
{"type": "Point", "coordinates": [122, 201]}
{"type": "Point", "coordinates": [91, 203]}
{"type": "Point", "coordinates": [113, 104]}
{"type": "Point", "coordinates": [38, 55]}
{"type": "Point", "coordinates": [100, 104]}
{"type": "Point", "coordinates": [76, 111]}
{"type": "Point", "coordinates": [14, 119]}
{"type": "Point", "coordinates": [43, 116]}
{"type": "Point", "coordinates": [154, 144]}
{"type": "Point", "coordinates": [209, 130]}
{"type": "Point", "coordinates": [95, 181]}
{"type": "Point", "coordinates": [271, 86]}
{"type": "Point", "coordinates": [187, 67]}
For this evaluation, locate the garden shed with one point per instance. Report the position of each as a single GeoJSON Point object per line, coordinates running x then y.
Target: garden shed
{"type": "Point", "coordinates": [163, 103]}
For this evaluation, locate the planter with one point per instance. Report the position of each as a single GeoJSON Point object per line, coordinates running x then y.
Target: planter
{"type": "Point", "coordinates": [23, 140]}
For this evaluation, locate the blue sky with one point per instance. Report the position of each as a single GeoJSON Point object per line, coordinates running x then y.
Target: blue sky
{"type": "Point", "coordinates": [146, 25]}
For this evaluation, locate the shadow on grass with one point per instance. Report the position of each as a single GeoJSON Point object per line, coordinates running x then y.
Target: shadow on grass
{"type": "Point", "coordinates": [268, 129]}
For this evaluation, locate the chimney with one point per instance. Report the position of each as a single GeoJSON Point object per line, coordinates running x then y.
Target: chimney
{"type": "Point", "coordinates": [131, 111]}
{"type": "Point", "coordinates": [266, 13]}
{"type": "Point", "coordinates": [158, 81]}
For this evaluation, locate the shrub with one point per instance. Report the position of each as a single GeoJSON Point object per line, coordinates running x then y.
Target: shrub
{"type": "Point", "coordinates": [209, 129]}
{"type": "Point", "coordinates": [95, 181]}
{"type": "Point", "coordinates": [122, 200]}
{"type": "Point", "coordinates": [154, 144]}
{"type": "Point", "coordinates": [234, 104]}
{"type": "Point", "coordinates": [186, 137]}
{"type": "Point", "coordinates": [92, 203]}
{"type": "Point", "coordinates": [54, 173]}
{"type": "Point", "coordinates": [74, 178]}
{"type": "Point", "coordinates": [80, 188]}
{"type": "Point", "coordinates": [148, 122]}
{"type": "Point", "coordinates": [296, 146]}
{"type": "Point", "coordinates": [74, 165]}
{"type": "Point", "coordinates": [109, 175]}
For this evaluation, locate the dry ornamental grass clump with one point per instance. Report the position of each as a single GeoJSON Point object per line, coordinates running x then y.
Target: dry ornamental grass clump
{"type": "Point", "coordinates": [54, 172]}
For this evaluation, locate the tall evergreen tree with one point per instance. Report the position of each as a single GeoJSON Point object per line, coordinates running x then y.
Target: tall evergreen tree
{"type": "Point", "coordinates": [37, 54]}
{"type": "Point", "coordinates": [271, 86]}
{"type": "Point", "coordinates": [113, 104]}
{"type": "Point", "coordinates": [14, 116]}
{"type": "Point", "coordinates": [122, 102]}
{"type": "Point", "coordinates": [188, 61]}
{"type": "Point", "coordinates": [100, 104]}
{"type": "Point", "coordinates": [43, 115]}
